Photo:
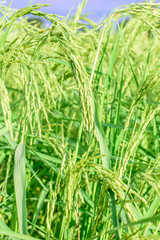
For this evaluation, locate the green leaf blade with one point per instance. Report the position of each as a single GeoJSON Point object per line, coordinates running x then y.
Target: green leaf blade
{"type": "Point", "coordinates": [20, 187]}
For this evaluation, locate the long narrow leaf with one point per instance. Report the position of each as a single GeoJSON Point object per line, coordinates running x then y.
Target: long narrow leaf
{"type": "Point", "coordinates": [20, 187]}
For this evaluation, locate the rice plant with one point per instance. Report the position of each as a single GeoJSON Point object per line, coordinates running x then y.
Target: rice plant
{"type": "Point", "coordinates": [79, 125]}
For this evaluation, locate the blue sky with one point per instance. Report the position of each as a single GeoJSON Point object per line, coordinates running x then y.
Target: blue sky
{"type": "Point", "coordinates": [97, 8]}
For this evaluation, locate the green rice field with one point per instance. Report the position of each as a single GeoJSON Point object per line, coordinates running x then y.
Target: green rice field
{"type": "Point", "coordinates": [80, 125]}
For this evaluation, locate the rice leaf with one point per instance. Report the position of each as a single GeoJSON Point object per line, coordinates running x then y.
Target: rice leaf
{"type": "Point", "coordinates": [20, 187]}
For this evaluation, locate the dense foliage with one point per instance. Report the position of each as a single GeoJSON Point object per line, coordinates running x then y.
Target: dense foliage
{"type": "Point", "coordinates": [79, 125]}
